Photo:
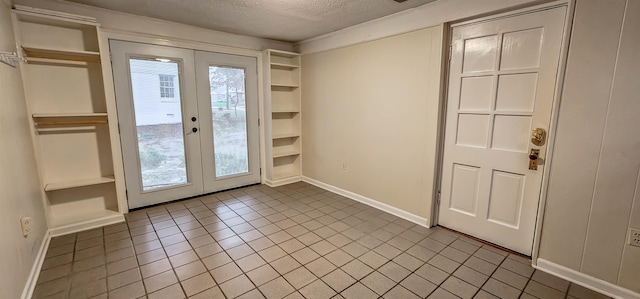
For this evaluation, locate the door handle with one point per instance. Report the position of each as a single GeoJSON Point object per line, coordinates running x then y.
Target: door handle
{"type": "Point", "coordinates": [533, 159]}
{"type": "Point", "coordinates": [538, 136]}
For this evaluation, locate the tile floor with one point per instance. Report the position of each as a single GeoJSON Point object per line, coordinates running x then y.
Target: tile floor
{"type": "Point", "coordinates": [295, 241]}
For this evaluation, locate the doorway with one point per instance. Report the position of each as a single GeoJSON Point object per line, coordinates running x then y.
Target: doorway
{"type": "Point", "coordinates": [501, 85]}
{"type": "Point", "coordinates": [188, 121]}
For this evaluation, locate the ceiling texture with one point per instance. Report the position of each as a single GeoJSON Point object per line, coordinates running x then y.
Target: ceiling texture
{"type": "Point", "coordinates": [285, 20]}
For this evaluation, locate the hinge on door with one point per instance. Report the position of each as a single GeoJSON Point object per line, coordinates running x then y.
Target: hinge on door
{"type": "Point", "coordinates": [260, 170]}
{"type": "Point", "coordinates": [450, 51]}
{"type": "Point", "coordinates": [438, 199]}
{"type": "Point", "coordinates": [258, 122]}
{"type": "Point", "coordinates": [110, 56]}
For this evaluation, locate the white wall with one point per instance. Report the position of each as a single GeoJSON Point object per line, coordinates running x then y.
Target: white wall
{"type": "Point", "coordinates": [593, 196]}
{"type": "Point", "coordinates": [19, 184]}
{"type": "Point", "coordinates": [375, 106]}
{"type": "Point", "coordinates": [138, 25]}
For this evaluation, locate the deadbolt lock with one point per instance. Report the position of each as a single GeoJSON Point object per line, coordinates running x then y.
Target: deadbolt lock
{"type": "Point", "coordinates": [538, 136]}
{"type": "Point", "coordinates": [533, 158]}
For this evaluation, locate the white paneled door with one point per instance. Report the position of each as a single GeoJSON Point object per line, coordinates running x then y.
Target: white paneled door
{"type": "Point", "coordinates": [501, 88]}
{"type": "Point", "coordinates": [188, 121]}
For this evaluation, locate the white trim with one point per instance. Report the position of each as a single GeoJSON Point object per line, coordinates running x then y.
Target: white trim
{"type": "Point", "coordinates": [285, 181]}
{"type": "Point", "coordinates": [553, 127]}
{"type": "Point", "coordinates": [370, 202]}
{"type": "Point", "coordinates": [425, 16]}
{"type": "Point", "coordinates": [86, 225]}
{"type": "Point", "coordinates": [585, 280]}
{"type": "Point", "coordinates": [32, 280]}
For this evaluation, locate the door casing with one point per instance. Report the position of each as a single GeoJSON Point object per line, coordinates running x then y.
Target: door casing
{"type": "Point", "coordinates": [448, 29]}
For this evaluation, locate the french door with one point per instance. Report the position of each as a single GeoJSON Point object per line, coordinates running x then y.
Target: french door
{"type": "Point", "coordinates": [188, 121]}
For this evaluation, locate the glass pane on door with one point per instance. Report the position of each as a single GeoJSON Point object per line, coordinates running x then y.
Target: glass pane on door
{"type": "Point", "coordinates": [229, 113]}
{"type": "Point", "coordinates": [155, 87]}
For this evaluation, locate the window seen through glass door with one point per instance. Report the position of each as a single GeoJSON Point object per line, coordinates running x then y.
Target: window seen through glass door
{"type": "Point", "coordinates": [158, 115]}
{"type": "Point", "coordinates": [229, 110]}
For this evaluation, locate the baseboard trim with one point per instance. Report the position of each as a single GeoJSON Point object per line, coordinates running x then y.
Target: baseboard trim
{"type": "Point", "coordinates": [585, 280]}
{"type": "Point", "coordinates": [32, 280]}
{"type": "Point", "coordinates": [86, 225]}
{"type": "Point", "coordinates": [370, 202]}
{"type": "Point", "coordinates": [281, 182]}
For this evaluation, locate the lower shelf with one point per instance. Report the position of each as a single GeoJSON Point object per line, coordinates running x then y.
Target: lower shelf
{"type": "Point", "coordinates": [76, 219]}
{"type": "Point", "coordinates": [78, 183]}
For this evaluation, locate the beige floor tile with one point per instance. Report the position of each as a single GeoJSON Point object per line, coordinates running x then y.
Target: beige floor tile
{"type": "Point", "coordinates": [277, 288]}
{"type": "Point", "coordinates": [156, 267]}
{"type": "Point", "coordinates": [134, 290]}
{"type": "Point", "coordinates": [190, 270]}
{"type": "Point", "coordinates": [262, 274]}
{"type": "Point", "coordinates": [123, 278]}
{"type": "Point", "coordinates": [400, 292]}
{"type": "Point", "coordinates": [198, 284]}
{"type": "Point", "coordinates": [317, 289]}
{"type": "Point", "coordinates": [160, 281]}
{"type": "Point", "coordinates": [300, 277]}
{"type": "Point", "coordinates": [459, 287]}
{"type": "Point", "coordinates": [173, 292]}
{"type": "Point", "coordinates": [225, 272]}
{"type": "Point", "coordinates": [542, 291]}
{"type": "Point", "coordinates": [418, 285]}
{"type": "Point", "coordinates": [237, 286]}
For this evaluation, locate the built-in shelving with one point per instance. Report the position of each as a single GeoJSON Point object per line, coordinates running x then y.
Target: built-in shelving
{"type": "Point", "coordinates": [58, 54]}
{"type": "Point", "coordinates": [282, 70]}
{"type": "Point", "coordinates": [78, 183]}
{"type": "Point", "coordinates": [72, 136]}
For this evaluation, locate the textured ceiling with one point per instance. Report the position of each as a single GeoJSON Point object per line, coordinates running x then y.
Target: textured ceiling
{"type": "Point", "coordinates": [286, 20]}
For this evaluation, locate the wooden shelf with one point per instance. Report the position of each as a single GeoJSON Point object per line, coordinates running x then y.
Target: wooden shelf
{"type": "Point", "coordinates": [286, 85]}
{"type": "Point", "coordinates": [71, 219]}
{"type": "Point", "coordinates": [283, 172]}
{"type": "Point", "coordinates": [70, 115]}
{"type": "Point", "coordinates": [285, 111]}
{"type": "Point", "coordinates": [285, 135]}
{"type": "Point", "coordinates": [78, 183]}
{"type": "Point", "coordinates": [69, 119]}
{"type": "Point", "coordinates": [58, 54]}
{"type": "Point", "coordinates": [285, 66]}
{"type": "Point", "coordinates": [283, 53]}
{"type": "Point", "coordinates": [280, 154]}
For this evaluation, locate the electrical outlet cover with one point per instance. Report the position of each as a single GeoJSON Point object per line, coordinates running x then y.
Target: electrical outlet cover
{"type": "Point", "coordinates": [634, 237]}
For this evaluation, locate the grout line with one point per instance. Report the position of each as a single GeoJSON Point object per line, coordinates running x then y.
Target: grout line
{"type": "Point", "coordinates": [287, 205]}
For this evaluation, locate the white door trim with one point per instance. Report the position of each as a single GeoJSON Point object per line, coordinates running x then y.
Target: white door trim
{"type": "Point", "coordinates": [106, 35]}
{"type": "Point", "coordinates": [448, 28]}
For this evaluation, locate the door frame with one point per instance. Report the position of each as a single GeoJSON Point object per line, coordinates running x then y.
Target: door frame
{"type": "Point", "coordinates": [105, 35]}
{"type": "Point", "coordinates": [564, 49]}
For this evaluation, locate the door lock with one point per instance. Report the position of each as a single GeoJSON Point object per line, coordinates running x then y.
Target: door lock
{"type": "Point", "coordinates": [533, 159]}
{"type": "Point", "coordinates": [538, 136]}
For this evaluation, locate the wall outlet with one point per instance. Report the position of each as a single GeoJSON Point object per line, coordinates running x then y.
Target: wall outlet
{"type": "Point", "coordinates": [26, 225]}
{"type": "Point", "coordinates": [634, 237]}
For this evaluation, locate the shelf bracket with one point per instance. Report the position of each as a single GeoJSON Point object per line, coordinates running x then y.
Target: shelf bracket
{"type": "Point", "coordinates": [10, 58]}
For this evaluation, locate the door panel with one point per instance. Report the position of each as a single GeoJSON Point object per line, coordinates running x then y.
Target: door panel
{"type": "Point", "coordinates": [227, 86]}
{"type": "Point", "coordinates": [501, 86]}
{"type": "Point", "coordinates": [161, 154]}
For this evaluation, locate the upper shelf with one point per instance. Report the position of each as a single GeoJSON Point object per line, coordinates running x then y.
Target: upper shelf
{"type": "Point", "coordinates": [285, 66]}
{"type": "Point", "coordinates": [57, 54]}
{"type": "Point", "coordinates": [69, 119]}
{"type": "Point", "coordinates": [286, 85]}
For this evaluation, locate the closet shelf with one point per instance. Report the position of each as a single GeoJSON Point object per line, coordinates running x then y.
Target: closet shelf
{"type": "Point", "coordinates": [286, 153]}
{"type": "Point", "coordinates": [287, 85]}
{"type": "Point", "coordinates": [285, 135]}
{"type": "Point", "coordinates": [58, 54]}
{"type": "Point", "coordinates": [286, 66]}
{"type": "Point", "coordinates": [285, 111]}
{"type": "Point", "coordinates": [67, 115]}
{"type": "Point", "coordinates": [78, 183]}
{"type": "Point", "coordinates": [69, 119]}
{"type": "Point", "coordinates": [58, 221]}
